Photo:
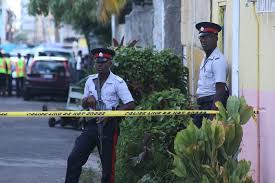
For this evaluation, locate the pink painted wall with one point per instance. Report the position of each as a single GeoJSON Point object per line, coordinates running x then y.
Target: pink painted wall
{"type": "Point", "coordinates": [267, 135]}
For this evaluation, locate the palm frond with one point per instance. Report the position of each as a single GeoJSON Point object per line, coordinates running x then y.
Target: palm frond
{"type": "Point", "coordinates": [108, 7]}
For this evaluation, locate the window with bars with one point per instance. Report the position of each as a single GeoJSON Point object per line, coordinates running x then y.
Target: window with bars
{"type": "Point", "coordinates": [265, 6]}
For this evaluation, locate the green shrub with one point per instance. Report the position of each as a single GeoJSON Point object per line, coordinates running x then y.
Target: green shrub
{"type": "Point", "coordinates": [139, 160]}
{"type": "Point", "coordinates": [147, 71]}
{"type": "Point", "coordinates": [209, 154]}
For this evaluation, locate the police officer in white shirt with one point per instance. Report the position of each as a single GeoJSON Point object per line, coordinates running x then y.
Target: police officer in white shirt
{"type": "Point", "coordinates": [213, 71]}
{"type": "Point", "coordinates": [109, 89]}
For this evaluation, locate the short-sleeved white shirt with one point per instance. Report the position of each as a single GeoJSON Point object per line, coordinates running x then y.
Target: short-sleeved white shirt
{"type": "Point", "coordinates": [212, 70]}
{"type": "Point", "coordinates": [113, 90]}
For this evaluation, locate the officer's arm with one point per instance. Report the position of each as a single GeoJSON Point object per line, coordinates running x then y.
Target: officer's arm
{"type": "Point", "coordinates": [220, 92]}
{"type": "Point", "coordinates": [89, 100]}
{"type": "Point", "coordinates": [127, 106]}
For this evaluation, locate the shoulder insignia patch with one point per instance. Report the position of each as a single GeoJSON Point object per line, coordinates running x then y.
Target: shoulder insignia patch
{"type": "Point", "coordinates": [93, 76]}
{"type": "Point", "coordinates": [119, 79]}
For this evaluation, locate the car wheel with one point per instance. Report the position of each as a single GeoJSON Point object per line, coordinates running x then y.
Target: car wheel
{"type": "Point", "coordinates": [51, 122]}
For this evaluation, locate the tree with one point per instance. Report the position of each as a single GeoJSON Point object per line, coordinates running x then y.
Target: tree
{"type": "Point", "coordinates": [41, 7]}
{"type": "Point", "coordinates": [81, 14]}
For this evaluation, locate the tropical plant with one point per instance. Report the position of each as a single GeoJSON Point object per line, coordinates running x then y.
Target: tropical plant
{"type": "Point", "coordinates": [144, 144]}
{"type": "Point", "coordinates": [120, 44]}
{"type": "Point", "coordinates": [146, 70]}
{"type": "Point", "coordinates": [209, 154]}
{"type": "Point", "coordinates": [108, 7]}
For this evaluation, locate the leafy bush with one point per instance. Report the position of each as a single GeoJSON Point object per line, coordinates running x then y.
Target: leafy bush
{"type": "Point", "coordinates": [147, 71]}
{"type": "Point", "coordinates": [142, 151]}
{"type": "Point", "coordinates": [209, 154]}
{"type": "Point", "coordinates": [145, 142]}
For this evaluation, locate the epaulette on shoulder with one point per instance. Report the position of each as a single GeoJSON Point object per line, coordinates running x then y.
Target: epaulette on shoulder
{"type": "Point", "coordinates": [93, 76]}
{"type": "Point", "coordinates": [119, 79]}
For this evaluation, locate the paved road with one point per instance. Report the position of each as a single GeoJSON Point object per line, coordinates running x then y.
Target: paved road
{"type": "Point", "coordinates": [30, 151]}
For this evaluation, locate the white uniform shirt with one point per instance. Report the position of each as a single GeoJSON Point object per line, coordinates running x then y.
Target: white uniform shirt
{"type": "Point", "coordinates": [113, 90]}
{"type": "Point", "coordinates": [212, 70]}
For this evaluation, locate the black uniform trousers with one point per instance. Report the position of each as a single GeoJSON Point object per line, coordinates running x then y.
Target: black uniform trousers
{"type": "Point", "coordinates": [19, 86]}
{"type": "Point", "coordinates": [2, 84]}
{"type": "Point", "coordinates": [205, 103]}
{"type": "Point", "coordinates": [9, 84]}
{"type": "Point", "coordinates": [85, 144]}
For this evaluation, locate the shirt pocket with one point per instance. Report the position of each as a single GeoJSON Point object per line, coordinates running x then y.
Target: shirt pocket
{"type": "Point", "coordinates": [209, 75]}
{"type": "Point", "coordinates": [209, 79]}
{"type": "Point", "coordinates": [110, 96]}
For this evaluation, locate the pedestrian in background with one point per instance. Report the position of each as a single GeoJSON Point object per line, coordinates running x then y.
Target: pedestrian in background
{"type": "Point", "coordinates": [9, 73]}
{"type": "Point", "coordinates": [3, 72]}
{"type": "Point", "coordinates": [20, 71]}
{"type": "Point", "coordinates": [213, 71]}
{"type": "Point", "coordinates": [79, 60]}
{"type": "Point", "coordinates": [105, 89]}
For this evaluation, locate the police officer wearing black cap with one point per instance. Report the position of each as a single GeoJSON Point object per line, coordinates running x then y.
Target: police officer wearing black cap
{"type": "Point", "coordinates": [105, 89]}
{"type": "Point", "coordinates": [213, 71]}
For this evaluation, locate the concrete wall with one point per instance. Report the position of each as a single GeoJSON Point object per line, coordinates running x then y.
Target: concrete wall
{"type": "Point", "coordinates": [139, 25]}
{"type": "Point", "coordinates": [156, 25]}
{"type": "Point", "coordinates": [158, 30]}
{"type": "Point", "coordinates": [172, 19]}
{"type": "Point", "coordinates": [258, 87]}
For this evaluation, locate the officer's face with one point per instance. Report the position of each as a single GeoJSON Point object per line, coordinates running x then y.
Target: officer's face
{"type": "Point", "coordinates": [208, 42]}
{"type": "Point", "coordinates": [103, 67]}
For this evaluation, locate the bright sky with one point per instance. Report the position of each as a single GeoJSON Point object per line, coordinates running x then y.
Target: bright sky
{"type": "Point", "coordinates": [15, 6]}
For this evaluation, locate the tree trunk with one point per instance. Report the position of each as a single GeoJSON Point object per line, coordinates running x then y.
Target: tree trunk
{"type": "Point", "coordinates": [87, 40]}
{"type": "Point", "coordinates": [56, 31]}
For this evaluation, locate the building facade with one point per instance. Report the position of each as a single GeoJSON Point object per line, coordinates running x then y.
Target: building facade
{"type": "Point", "coordinates": [3, 21]}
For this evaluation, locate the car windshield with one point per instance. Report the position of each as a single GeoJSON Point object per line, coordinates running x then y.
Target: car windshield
{"type": "Point", "coordinates": [48, 67]}
{"type": "Point", "coordinates": [58, 54]}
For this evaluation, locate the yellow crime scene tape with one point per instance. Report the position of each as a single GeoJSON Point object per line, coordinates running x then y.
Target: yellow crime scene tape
{"type": "Point", "coordinates": [105, 113]}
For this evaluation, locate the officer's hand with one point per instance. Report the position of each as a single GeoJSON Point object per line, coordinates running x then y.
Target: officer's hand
{"type": "Point", "coordinates": [89, 101]}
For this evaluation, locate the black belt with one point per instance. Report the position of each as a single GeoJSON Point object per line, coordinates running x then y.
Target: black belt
{"type": "Point", "coordinates": [206, 99]}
